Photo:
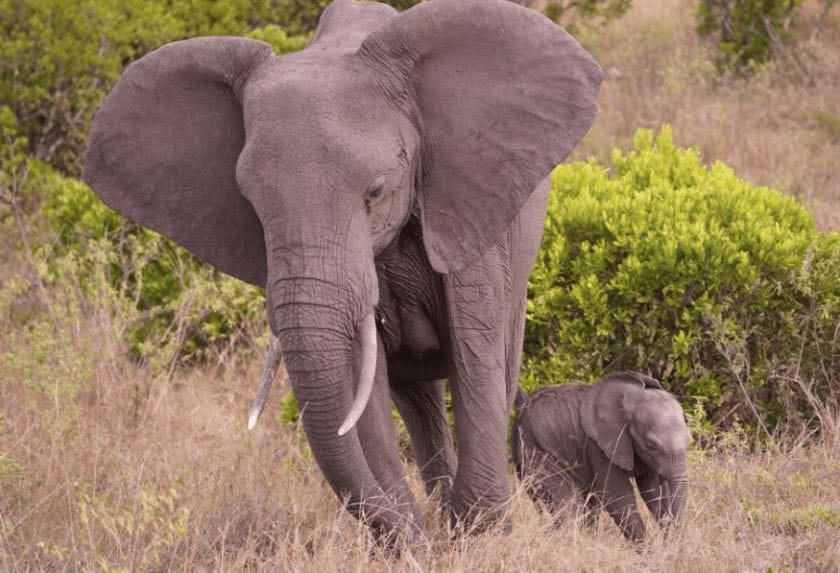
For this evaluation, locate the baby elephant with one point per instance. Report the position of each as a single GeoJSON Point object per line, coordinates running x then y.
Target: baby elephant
{"type": "Point", "coordinates": [584, 443]}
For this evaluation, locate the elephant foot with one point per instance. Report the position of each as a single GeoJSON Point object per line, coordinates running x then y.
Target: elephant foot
{"type": "Point", "coordinates": [394, 542]}
{"type": "Point", "coordinates": [479, 517]}
{"type": "Point", "coordinates": [634, 531]}
{"type": "Point", "coordinates": [394, 527]}
{"type": "Point", "coordinates": [440, 496]}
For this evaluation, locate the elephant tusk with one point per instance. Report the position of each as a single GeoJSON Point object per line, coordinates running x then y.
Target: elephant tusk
{"type": "Point", "coordinates": [272, 360]}
{"type": "Point", "coordinates": [367, 332]}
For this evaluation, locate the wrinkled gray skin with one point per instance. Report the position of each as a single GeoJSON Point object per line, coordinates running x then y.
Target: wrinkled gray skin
{"type": "Point", "coordinates": [397, 165]}
{"type": "Point", "coordinates": [583, 444]}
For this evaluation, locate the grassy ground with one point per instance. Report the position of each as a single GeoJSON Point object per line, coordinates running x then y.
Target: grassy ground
{"type": "Point", "coordinates": [173, 481]}
{"type": "Point", "coordinates": [105, 465]}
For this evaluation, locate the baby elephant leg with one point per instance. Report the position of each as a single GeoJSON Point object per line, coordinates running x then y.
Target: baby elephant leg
{"type": "Point", "coordinates": [619, 499]}
{"type": "Point", "coordinates": [592, 506]}
{"type": "Point", "coordinates": [614, 488]}
{"type": "Point", "coordinates": [550, 485]}
{"type": "Point", "coordinates": [651, 490]}
{"type": "Point", "coordinates": [665, 498]}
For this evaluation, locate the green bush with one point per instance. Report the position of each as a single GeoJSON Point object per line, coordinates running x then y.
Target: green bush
{"type": "Point", "coordinates": [570, 13]}
{"type": "Point", "coordinates": [723, 290]}
{"type": "Point", "coordinates": [748, 32]}
{"type": "Point", "coordinates": [59, 58]}
{"type": "Point", "coordinates": [301, 16]}
{"type": "Point", "coordinates": [169, 303]}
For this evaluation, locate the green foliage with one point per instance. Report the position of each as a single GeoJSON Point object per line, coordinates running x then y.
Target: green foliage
{"type": "Point", "coordinates": [301, 16]}
{"type": "Point", "coordinates": [168, 303]}
{"type": "Point", "coordinates": [571, 13]}
{"type": "Point", "coordinates": [12, 476]}
{"type": "Point", "coordinates": [14, 163]}
{"type": "Point", "coordinates": [51, 376]}
{"type": "Point", "coordinates": [721, 289]}
{"type": "Point", "coordinates": [790, 520]}
{"type": "Point", "coordinates": [47, 359]}
{"type": "Point", "coordinates": [278, 39]}
{"type": "Point", "coordinates": [289, 413]}
{"type": "Point", "coordinates": [59, 58]}
{"type": "Point", "coordinates": [144, 531]}
{"type": "Point", "coordinates": [748, 32]}
{"type": "Point", "coordinates": [830, 124]}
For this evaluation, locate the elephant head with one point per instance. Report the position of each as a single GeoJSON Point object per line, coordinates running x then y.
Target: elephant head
{"type": "Point", "coordinates": [641, 429]}
{"type": "Point", "coordinates": [294, 172]}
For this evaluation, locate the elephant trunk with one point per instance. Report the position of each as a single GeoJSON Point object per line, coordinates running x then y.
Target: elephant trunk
{"type": "Point", "coordinates": [326, 349]}
{"type": "Point", "coordinates": [675, 485]}
{"type": "Point", "coordinates": [676, 491]}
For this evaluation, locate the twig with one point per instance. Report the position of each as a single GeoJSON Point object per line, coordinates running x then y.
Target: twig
{"type": "Point", "coordinates": [820, 23]}
{"type": "Point", "coordinates": [779, 46]}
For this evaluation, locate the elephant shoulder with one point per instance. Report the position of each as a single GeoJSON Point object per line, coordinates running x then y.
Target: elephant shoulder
{"type": "Point", "coordinates": [550, 419]}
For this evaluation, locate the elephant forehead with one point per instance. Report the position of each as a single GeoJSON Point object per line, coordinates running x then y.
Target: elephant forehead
{"type": "Point", "coordinates": [312, 89]}
{"type": "Point", "coordinates": [307, 127]}
{"type": "Point", "coordinates": [660, 412]}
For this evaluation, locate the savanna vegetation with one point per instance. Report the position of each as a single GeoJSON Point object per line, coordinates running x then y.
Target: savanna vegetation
{"type": "Point", "coordinates": [693, 235]}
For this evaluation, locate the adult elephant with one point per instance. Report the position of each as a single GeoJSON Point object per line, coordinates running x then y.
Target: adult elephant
{"type": "Point", "coordinates": [390, 168]}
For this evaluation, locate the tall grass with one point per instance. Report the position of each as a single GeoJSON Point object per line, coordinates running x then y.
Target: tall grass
{"type": "Point", "coordinates": [172, 480]}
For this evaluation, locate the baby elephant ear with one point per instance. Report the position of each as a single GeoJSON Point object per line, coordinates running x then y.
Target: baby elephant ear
{"type": "Point", "coordinates": [164, 147]}
{"type": "Point", "coordinates": [643, 379]}
{"type": "Point", "coordinates": [503, 96]}
{"type": "Point", "coordinates": [605, 422]}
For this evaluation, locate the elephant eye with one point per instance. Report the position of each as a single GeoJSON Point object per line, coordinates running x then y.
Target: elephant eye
{"type": "Point", "coordinates": [375, 190]}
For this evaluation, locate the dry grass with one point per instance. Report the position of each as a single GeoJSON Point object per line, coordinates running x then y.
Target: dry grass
{"type": "Point", "coordinates": [106, 466]}
{"type": "Point", "coordinates": [173, 481]}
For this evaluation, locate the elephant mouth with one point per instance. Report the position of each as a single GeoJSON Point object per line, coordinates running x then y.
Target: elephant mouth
{"type": "Point", "coordinates": [366, 334]}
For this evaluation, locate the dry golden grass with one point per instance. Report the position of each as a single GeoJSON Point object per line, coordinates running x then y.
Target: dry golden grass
{"type": "Point", "coordinates": [107, 466]}
{"type": "Point", "coordinates": [143, 474]}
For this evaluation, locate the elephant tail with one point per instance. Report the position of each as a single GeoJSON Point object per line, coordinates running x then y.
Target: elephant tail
{"type": "Point", "coordinates": [515, 433]}
{"type": "Point", "coordinates": [521, 396]}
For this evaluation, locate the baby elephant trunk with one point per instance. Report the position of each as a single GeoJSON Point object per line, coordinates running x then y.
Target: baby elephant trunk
{"type": "Point", "coordinates": [676, 492]}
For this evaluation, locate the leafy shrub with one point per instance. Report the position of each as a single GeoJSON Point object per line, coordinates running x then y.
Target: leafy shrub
{"type": "Point", "coordinates": [749, 32]}
{"type": "Point", "coordinates": [140, 532]}
{"type": "Point", "coordinates": [59, 58]}
{"type": "Point", "coordinates": [571, 12]}
{"type": "Point", "coordinates": [301, 16]}
{"type": "Point", "coordinates": [168, 303]}
{"type": "Point", "coordinates": [723, 290]}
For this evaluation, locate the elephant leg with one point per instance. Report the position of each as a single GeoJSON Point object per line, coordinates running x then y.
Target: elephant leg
{"type": "Point", "coordinates": [651, 490]}
{"type": "Point", "coordinates": [662, 500]}
{"type": "Point", "coordinates": [548, 483]}
{"type": "Point", "coordinates": [616, 492]}
{"type": "Point", "coordinates": [422, 406]}
{"type": "Point", "coordinates": [592, 506]}
{"type": "Point", "coordinates": [378, 438]}
{"type": "Point", "coordinates": [478, 303]}
{"type": "Point", "coordinates": [525, 235]}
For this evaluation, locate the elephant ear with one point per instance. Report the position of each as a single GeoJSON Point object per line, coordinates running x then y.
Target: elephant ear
{"type": "Point", "coordinates": [502, 94]}
{"type": "Point", "coordinates": [605, 421]}
{"type": "Point", "coordinates": [643, 379]}
{"type": "Point", "coordinates": [164, 147]}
